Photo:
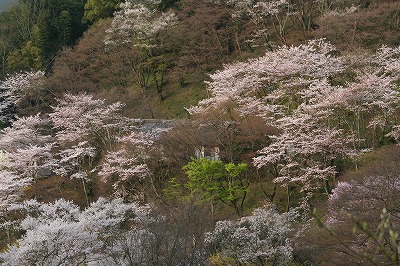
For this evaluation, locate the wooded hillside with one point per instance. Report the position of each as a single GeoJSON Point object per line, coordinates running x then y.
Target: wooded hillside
{"type": "Point", "coordinates": [200, 132]}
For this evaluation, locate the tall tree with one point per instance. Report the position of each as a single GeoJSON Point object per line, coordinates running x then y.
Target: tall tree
{"type": "Point", "coordinates": [27, 146]}
{"type": "Point", "coordinates": [127, 167]}
{"type": "Point", "coordinates": [20, 91]}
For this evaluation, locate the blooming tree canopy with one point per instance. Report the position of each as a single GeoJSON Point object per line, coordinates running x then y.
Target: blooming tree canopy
{"type": "Point", "coordinates": [320, 114]}
{"type": "Point", "coordinates": [127, 166]}
{"type": "Point", "coordinates": [15, 88]}
{"type": "Point", "coordinates": [138, 22]}
{"type": "Point", "coordinates": [263, 236]}
{"type": "Point", "coordinates": [81, 117]}
{"type": "Point", "coordinates": [27, 147]}
{"type": "Point", "coordinates": [60, 233]}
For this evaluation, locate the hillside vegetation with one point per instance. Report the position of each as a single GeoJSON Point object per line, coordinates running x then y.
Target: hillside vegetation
{"type": "Point", "coordinates": [200, 132]}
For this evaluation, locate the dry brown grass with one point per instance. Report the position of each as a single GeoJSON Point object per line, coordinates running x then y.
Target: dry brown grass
{"type": "Point", "coordinates": [56, 187]}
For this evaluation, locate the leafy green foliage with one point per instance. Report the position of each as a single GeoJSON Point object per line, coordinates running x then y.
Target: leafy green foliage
{"type": "Point", "coordinates": [28, 57]}
{"type": "Point", "coordinates": [34, 31]}
{"type": "Point", "coordinates": [216, 180]}
{"type": "Point", "coordinates": [98, 9]}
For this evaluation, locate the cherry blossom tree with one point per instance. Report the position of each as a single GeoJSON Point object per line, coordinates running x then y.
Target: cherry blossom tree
{"type": "Point", "coordinates": [75, 158]}
{"type": "Point", "coordinates": [388, 58]}
{"type": "Point", "coordinates": [261, 238]}
{"type": "Point", "coordinates": [267, 86]}
{"type": "Point", "coordinates": [17, 88]}
{"type": "Point", "coordinates": [321, 115]}
{"type": "Point", "coordinates": [85, 128]}
{"type": "Point", "coordinates": [127, 167]}
{"type": "Point", "coordinates": [395, 133]}
{"type": "Point", "coordinates": [32, 161]}
{"type": "Point", "coordinates": [27, 147]}
{"type": "Point", "coordinates": [77, 162]}
{"type": "Point", "coordinates": [60, 233]}
{"type": "Point", "coordinates": [315, 147]}
{"type": "Point", "coordinates": [281, 88]}
{"type": "Point", "coordinates": [367, 107]}
{"type": "Point", "coordinates": [373, 193]}
{"type": "Point", "coordinates": [138, 22]}
{"type": "Point", "coordinates": [303, 153]}
{"type": "Point", "coordinates": [357, 206]}
{"type": "Point", "coordinates": [24, 131]}
{"type": "Point", "coordinates": [142, 24]}
{"type": "Point", "coordinates": [82, 118]}
{"type": "Point", "coordinates": [25, 156]}
{"type": "Point", "coordinates": [11, 186]}
{"type": "Point", "coordinates": [264, 14]}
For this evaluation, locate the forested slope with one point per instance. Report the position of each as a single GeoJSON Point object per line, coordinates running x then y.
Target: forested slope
{"type": "Point", "coordinates": [188, 132]}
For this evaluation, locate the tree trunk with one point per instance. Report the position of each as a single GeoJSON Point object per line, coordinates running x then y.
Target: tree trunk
{"type": "Point", "coordinates": [85, 191]}
{"type": "Point", "coordinates": [288, 198]}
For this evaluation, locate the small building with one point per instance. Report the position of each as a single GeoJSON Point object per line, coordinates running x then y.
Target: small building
{"type": "Point", "coordinates": [208, 152]}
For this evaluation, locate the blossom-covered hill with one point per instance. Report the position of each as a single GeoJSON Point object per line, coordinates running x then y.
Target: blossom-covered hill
{"type": "Point", "coordinates": [229, 132]}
